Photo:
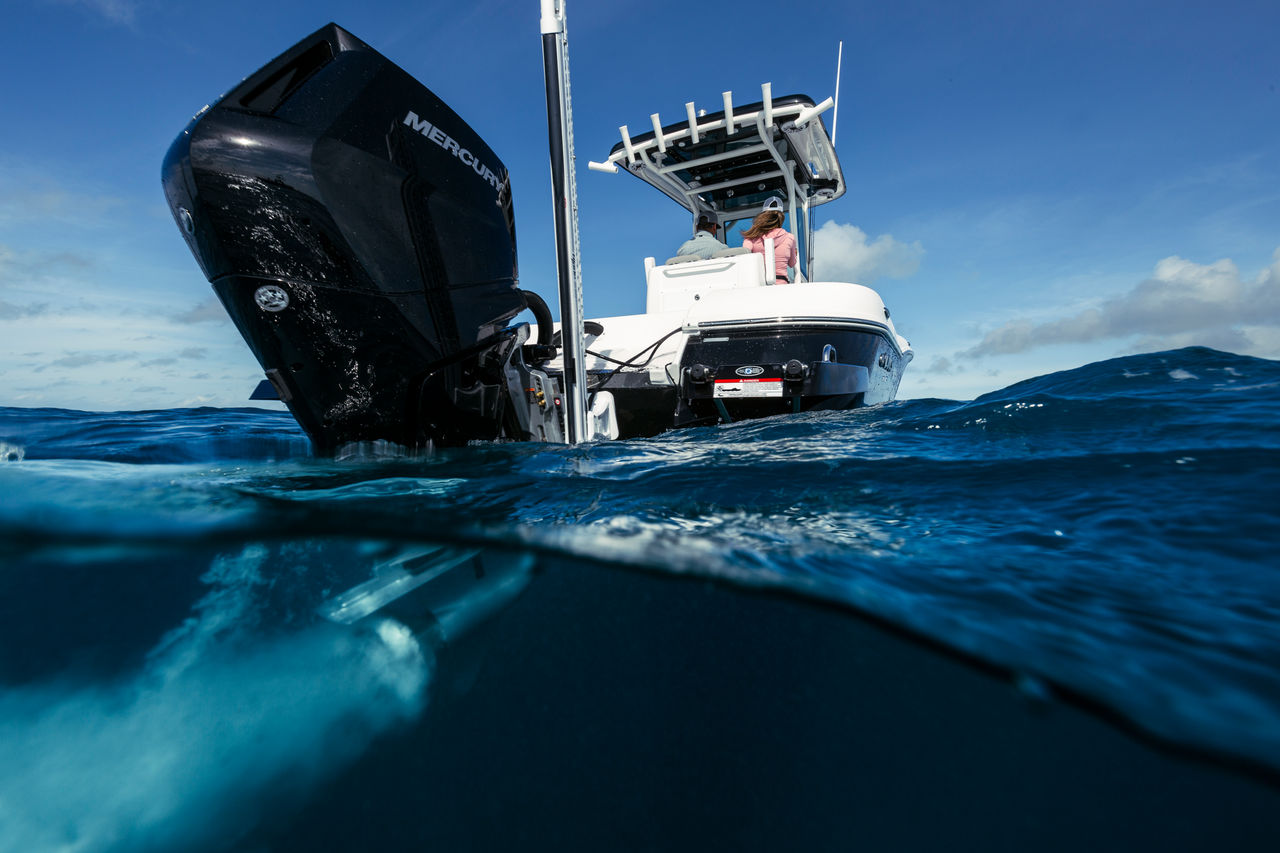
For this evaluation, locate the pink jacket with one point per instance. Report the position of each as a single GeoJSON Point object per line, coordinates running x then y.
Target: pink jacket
{"type": "Point", "coordinates": [784, 250]}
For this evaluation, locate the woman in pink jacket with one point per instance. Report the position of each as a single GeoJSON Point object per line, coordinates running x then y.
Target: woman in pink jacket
{"type": "Point", "coordinates": [769, 224]}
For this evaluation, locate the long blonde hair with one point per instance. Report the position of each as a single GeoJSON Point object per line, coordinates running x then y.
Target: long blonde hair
{"type": "Point", "coordinates": [765, 221]}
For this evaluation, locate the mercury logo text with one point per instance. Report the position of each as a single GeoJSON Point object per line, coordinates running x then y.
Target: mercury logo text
{"type": "Point", "coordinates": [448, 143]}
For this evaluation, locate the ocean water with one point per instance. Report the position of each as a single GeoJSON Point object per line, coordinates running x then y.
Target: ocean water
{"type": "Point", "coordinates": [807, 632]}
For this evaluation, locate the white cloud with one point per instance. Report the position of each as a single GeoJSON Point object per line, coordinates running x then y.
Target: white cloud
{"type": "Point", "coordinates": [1183, 303]}
{"type": "Point", "coordinates": [842, 252]}
{"type": "Point", "coordinates": [1226, 338]}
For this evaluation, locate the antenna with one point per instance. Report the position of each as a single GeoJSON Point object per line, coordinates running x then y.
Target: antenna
{"type": "Point", "coordinates": [835, 115]}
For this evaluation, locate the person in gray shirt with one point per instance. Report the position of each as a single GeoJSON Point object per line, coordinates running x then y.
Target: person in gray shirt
{"type": "Point", "coordinates": [704, 242]}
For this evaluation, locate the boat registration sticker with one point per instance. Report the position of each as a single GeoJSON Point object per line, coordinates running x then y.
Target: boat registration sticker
{"type": "Point", "coordinates": [746, 387]}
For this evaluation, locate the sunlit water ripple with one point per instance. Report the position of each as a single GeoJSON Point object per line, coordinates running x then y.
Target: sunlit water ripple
{"type": "Point", "coordinates": [1110, 530]}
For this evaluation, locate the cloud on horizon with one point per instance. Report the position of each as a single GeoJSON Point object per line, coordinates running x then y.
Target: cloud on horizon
{"type": "Point", "coordinates": [75, 358]}
{"type": "Point", "coordinates": [1182, 304]}
{"type": "Point", "coordinates": [10, 311]}
{"type": "Point", "coordinates": [208, 311]}
{"type": "Point", "coordinates": [848, 255]}
{"type": "Point", "coordinates": [32, 192]}
{"type": "Point", "coordinates": [941, 365]}
{"type": "Point", "coordinates": [18, 268]}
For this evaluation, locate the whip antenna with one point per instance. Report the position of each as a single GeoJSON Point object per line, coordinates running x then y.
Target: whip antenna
{"type": "Point", "coordinates": [835, 113]}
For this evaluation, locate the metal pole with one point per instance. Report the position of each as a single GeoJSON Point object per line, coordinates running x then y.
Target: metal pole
{"type": "Point", "coordinates": [564, 193]}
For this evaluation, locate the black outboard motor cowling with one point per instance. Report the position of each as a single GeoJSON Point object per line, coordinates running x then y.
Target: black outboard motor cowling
{"type": "Point", "coordinates": [361, 236]}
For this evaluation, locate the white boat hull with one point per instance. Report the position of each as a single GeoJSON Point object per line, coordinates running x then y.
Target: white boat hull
{"type": "Point", "coordinates": [724, 356]}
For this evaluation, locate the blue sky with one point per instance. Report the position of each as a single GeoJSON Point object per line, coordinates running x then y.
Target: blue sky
{"type": "Point", "coordinates": [1033, 186]}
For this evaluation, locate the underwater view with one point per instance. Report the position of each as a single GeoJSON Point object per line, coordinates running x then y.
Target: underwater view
{"type": "Point", "coordinates": [1044, 619]}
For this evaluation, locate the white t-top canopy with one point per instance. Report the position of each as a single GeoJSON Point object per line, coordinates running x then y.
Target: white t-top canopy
{"type": "Point", "coordinates": [726, 165]}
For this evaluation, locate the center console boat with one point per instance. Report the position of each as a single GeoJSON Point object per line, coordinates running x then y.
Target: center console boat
{"type": "Point", "coordinates": [361, 236]}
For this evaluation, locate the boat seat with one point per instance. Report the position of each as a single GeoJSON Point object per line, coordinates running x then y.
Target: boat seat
{"type": "Point", "coordinates": [729, 253]}
{"type": "Point", "coordinates": [677, 286]}
{"type": "Point", "coordinates": [683, 259]}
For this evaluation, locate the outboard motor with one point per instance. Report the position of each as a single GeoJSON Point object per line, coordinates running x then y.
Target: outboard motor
{"type": "Point", "coordinates": [361, 236]}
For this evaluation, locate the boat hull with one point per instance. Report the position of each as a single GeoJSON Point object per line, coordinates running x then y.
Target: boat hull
{"type": "Point", "coordinates": [781, 369]}
{"type": "Point", "coordinates": [748, 352]}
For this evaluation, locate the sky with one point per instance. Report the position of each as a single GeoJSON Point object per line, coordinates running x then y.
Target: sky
{"type": "Point", "coordinates": [1032, 186]}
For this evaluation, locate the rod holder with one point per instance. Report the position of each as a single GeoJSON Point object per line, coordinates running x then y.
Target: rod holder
{"type": "Point", "coordinates": [657, 133]}
{"type": "Point", "coordinates": [626, 143]}
{"type": "Point", "coordinates": [808, 114]}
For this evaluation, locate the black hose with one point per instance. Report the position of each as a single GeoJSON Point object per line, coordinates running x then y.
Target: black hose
{"type": "Point", "coordinates": [652, 349]}
{"type": "Point", "coordinates": [542, 314]}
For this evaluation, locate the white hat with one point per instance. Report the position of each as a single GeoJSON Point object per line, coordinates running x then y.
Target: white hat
{"type": "Point", "coordinates": [774, 203]}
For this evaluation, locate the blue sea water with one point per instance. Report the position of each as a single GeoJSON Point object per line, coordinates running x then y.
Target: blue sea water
{"type": "Point", "coordinates": [1109, 534]}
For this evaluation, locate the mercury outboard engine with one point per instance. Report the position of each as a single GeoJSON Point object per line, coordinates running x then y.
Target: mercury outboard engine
{"type": "Point", "coordinates": [362, 238]}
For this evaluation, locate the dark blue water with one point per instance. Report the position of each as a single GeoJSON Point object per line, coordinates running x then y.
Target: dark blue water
{"type": "Point", "coordinates": [1109, 534]}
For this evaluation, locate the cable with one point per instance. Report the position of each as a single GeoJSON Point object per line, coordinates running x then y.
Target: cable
{"type": "Point", "coordinates": [652, 349]}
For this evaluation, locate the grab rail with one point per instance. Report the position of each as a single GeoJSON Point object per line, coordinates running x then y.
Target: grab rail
{"type": "Point", "coordinates": [696, 270]}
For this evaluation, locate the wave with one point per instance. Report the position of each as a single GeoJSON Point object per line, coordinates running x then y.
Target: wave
{"type": "Point", "coordinates": [1109, 529]}
{"type": "Point", "coordinates": [168, 436]}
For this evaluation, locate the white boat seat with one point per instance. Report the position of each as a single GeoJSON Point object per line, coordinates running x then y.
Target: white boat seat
{"type": "Point", "coordinates": [729, 253]}
{"type": "Point", "coordinates": [678, 284]}
{"type": "Point", "coordinates": [683, 259]}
